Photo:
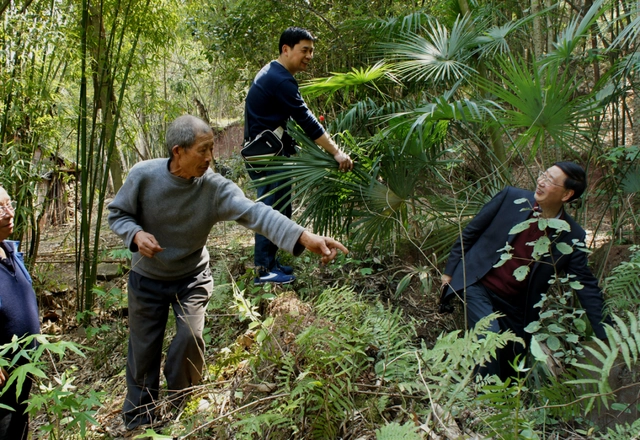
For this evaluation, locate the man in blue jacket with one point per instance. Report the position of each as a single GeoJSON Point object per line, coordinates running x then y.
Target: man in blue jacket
{"type": "Point", "coordinates": [273, 99]}
{"type": "Point", "coordinates": [18, 317]}
{"type": "Point", "coordinates": [472, 272]}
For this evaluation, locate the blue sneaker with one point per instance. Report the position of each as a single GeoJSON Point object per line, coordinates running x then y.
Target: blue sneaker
{"type": "Point", "coordinates": [275, 276]}
{"type": "Point", "coordinates": [287, 270]}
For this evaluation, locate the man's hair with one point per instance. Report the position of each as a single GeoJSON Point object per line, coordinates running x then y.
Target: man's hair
{"type": "Point", "coordinates": [576, 178]}
{"type": "Point", "coordinates": [293, 35]}
{"type": "Point", "coordinates": [183, 131]}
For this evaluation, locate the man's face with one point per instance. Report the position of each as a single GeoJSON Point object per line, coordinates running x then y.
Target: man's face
{"type": "Point", "coordinates": [298, 57]}
{"type": "Point", "coordinates": [550, 190]}
{"type": "Point", "coordinates": [195, 160]}
{"type": "Point", "coordinates": [6, 215]}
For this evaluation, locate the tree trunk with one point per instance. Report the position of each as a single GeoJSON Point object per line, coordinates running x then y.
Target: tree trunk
{"type": "Point", "coordinates": [104, 98]}
{"type": "Point", "coordinates": [538, 37]}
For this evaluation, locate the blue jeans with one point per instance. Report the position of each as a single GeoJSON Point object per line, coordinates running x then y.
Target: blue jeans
{"type": "Point", "coordinates": [264, 253]}
{"type": "Point", "coordinates": [480, 302]}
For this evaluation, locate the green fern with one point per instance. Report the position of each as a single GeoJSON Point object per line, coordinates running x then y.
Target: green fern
{"type": "Point", "coordinates": [624, 341]}
{"type": "Point", "coordinates": [623, 286]}
{"type": "Point", "coordinates": [396, 431]}
{"type": "Point", "coordinates": [320, 372]}
{"type": "Point", "coordinates": [623, 432]}
{"type": "Point", "coordinates": [449, 368]}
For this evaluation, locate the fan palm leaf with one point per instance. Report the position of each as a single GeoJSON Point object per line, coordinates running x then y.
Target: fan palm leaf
{"type": "Point", "coordinates": [544, 104]}
{"type": "Point", "coordinates": [347, 81]}
{"type": "Point", "coordinates": [417, 120]}
{"type": "Point", "coordinates": [494, 40]}
{"type": "Point", "coordinates": [576, 31]}
{"type": "Point", "coordinates": [629, 33]}
{"type": "Point", "coordinates": [387, 28]}
{"type": "Point", "coordinates": [316, 184]}
{"type": "Point", "coordinates": [359, 202]}
{"type": "Point", "coordinates": [439, 56]}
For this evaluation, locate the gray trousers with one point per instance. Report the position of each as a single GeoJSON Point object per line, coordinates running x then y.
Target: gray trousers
{"type": "Point", "coordinates": [149, 302]}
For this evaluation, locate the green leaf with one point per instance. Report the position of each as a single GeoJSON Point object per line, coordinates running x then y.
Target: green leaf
{"type": "Point", "coordinates": [572, 338]}
{"type": "Point", "coordinates": [620, 407]}
{"type": "Point", "coordinates": [404, 282]}
{"type": "Point", "coordinates": [523, 226]}
{"type": "Point", "coordinates": [541, 247]}
{"type": "Point", "coordinates": [261, 336]}
{"type": "Point", "coordinates": [537, 352]}
{"type": "Point", "coordinates": [521, 273]}
{"type": "Point", "coordinates": [533, 327]}
{"type": "Point", "coordinates": [553, 343]}
{"type": "Point", "coordinates": [580, 324]}
{"type": "Point", "coordinates": [559, 224]}
{"type": "Point", "coordinates": [555, 328]}
{"type": "Point", "coordinates": [151, 434]}
{"type": "Point", "coordinates": [564, 248]}
{"type": "Point", "coordinates": [576, 285]}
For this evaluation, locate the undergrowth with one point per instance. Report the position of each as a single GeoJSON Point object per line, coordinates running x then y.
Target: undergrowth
{"type": "Point", "coordinates": [343, 363]}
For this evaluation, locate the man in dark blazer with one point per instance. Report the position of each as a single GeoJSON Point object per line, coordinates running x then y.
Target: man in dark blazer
{"type": "Point", "coordinates": [473, 275]}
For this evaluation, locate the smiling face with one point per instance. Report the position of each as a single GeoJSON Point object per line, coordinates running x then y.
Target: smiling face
{"type": "Point", "coordinates": [193, 161]}
{"type": "Point", "coordinates": [296, 59]}
{"type": "Point", "coordinates": [550, 191]}
{"type": "Point", "coordinates": [6, 216]}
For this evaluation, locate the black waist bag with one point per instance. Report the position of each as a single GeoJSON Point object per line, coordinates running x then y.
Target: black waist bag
{"type": "Point", "coordinates": [263, 146]}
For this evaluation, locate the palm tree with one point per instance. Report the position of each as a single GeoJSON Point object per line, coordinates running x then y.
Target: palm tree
{"type": "Point", "coordinates": [435, 157]}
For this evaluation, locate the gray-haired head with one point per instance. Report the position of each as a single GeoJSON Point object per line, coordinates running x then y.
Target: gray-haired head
{"type": "Point", "coordinates": [183, 131]}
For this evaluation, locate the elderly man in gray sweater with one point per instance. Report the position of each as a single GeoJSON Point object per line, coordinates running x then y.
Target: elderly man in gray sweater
{"type": "Point", "coordinates": [164, 214]}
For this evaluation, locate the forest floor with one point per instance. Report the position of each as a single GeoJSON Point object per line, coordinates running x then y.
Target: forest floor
{"type": "Point", "coordinates": [231, 248]}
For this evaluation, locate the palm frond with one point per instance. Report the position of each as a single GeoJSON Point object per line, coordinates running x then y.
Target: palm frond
{"type": "Point", "coordinates": [365, 113]}
{"type": "Point", "coordinates": [629, 33]}
{"type": "Point", "coordinates": [389, 27]}
{"type": "Point", "coordinates": [628, 65]}
{"type": "Point", "coordinates": [494, 39]}
{"type": "Point", "coordinates": [439, 56]}
{"type": "Point", "coordinates": [576, 31]}
{"type": "Point", "coordinates": [414, 122]}
{"type": "Point", "coordinates": [631, 181]}
{"type": "Point", "coordinates": [543, 103]}
{"type": "Point", "coordinates": [347, 81]}
{"type": "Point", "coordinates": [317, 184]}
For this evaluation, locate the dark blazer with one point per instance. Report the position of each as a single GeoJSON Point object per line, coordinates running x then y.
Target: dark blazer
{"type": "Point", "coordinates": [489, 231]}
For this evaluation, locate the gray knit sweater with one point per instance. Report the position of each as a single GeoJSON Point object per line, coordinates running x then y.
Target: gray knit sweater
{"type": "Point", "coordinates": [180, 213]}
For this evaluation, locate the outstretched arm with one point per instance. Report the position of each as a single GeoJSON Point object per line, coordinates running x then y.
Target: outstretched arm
{"type": "Point", "coordinates": [325, 246]}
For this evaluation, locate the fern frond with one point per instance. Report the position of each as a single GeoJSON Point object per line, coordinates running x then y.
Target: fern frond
{"type": "Point", "coordinates": [396, 431]}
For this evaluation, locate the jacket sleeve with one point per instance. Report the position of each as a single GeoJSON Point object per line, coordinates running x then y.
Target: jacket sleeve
{"type": "Point", "coordinates": [474, 230]}
{"type": "Point", "coordinates": [123, 212]}
{"type": "Point", "coordinates": [278, 228]}
{"type": "Point", "coordinates": [590, 295]}
{"type": "Point", "coordinates": [297, 108]}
